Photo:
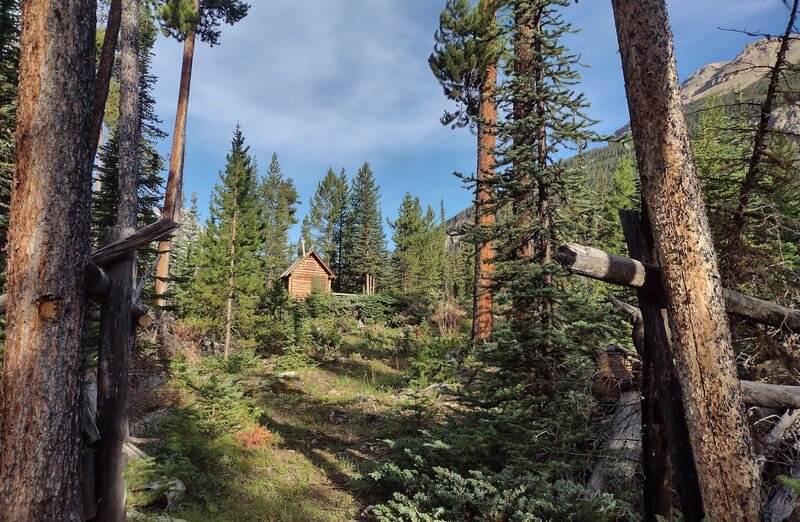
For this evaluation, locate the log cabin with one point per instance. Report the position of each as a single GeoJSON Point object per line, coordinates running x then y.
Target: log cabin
{"type": "Point", "coordinates": [306, 273]}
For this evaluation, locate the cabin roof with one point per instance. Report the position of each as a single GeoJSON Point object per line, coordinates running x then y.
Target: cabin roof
{"type": "Point", "coordinates": [300, 259]}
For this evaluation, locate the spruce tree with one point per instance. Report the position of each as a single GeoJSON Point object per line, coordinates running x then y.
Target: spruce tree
{"type": "Point", "coordinates": [329, 219]}
{"type": "Point", "coordinates": [417, 258]}
{"type": "Point", "coordinates": [184, 252]}
{"type": "Point", "coordinates": [279, 201]}
{"type": "Point", "coordinates": [522, 379]}
{"type": "Point", "coordinates": [228, 286]}
{"type": "Point", "coordinates": [368, 242]}
{"type": "Point", "coordinates": [306, 242]}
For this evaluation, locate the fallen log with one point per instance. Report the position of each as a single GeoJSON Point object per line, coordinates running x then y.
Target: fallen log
{"type": "Point", "coordinates": [759, 394]}
{"type": "Point", "coordinates": [611, 268]}
{"type": "Point", "coordinates": [770, 395]}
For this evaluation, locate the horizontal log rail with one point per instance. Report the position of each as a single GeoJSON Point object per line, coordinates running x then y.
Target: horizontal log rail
{"type": "Point", "coordinates": [611, 268]}
{"type": "Point", "coordinates": [98, 283]}
{"type": "Point", "coordinates": [144, 236]}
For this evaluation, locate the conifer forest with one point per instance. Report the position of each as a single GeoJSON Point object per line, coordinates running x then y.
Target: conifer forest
{"type": "Point", "coordinates": [555, 276]}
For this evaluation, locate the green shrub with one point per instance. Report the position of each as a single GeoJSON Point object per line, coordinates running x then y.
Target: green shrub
{"type": "Point", "coordinates": [427, 489]}
{"type": "Point", "coordinates": [325, 338]}
{"type": "Point", "coordinates": [438, 359]}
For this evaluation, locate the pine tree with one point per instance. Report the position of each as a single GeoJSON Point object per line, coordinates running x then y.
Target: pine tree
{"type": "Point", "coordinates": [368, 242]}
{"type": "Point", "coordinates": [417, 258]}
{"type": "Point", "coordinates": [228, 286]}
{"type": "Point", "coordinates": [769, 254]}
{"type": "Point", "coordinates": [185, 249]}
{"type": "Point", "coordinates": [184, 20]}
{"type": "Point", "coordinates": [43, 360]}
{"type": "Point", "coordinates": [464, 61]}
{"type": "Point", "coordinates": [306, 242]}
{"type": "Point", "coordinates": [522, 379]}
{"type": "Point", "coordinates": [329, 219]}
{"type": "Point", "coordinates": [279, 201]}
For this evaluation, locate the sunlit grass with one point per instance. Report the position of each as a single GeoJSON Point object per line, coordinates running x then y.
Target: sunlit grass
{"type": "Point", "coordinates": [284, 456]}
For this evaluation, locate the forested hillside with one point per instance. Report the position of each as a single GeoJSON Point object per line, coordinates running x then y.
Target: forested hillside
{"type": "Point", "coordinates": [610, 333]}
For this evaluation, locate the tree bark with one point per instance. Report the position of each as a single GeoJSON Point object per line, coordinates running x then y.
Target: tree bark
{"type": "Point", "coordinates": [482, 318]}
{"type": "Point", "coordinates": [116, 330]}
{"type": "Point", "coordinates": [105, 70]}
{"type": "Point", "coordinates": [48, 249]}
{"type": "Point", "coordinates": [172, 197]}
{"type": "Point", "coordinates": [718, 430]}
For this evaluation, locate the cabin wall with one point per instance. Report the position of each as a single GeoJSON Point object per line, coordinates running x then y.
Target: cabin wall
{"type": "Point", "coordinates": [305, 275]}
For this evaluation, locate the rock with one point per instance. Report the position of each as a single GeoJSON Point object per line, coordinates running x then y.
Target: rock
{"type": "Point", "coordinates": [151, 382]}
{"type": "Point", "coordinates": [338, 417]}
{"type": "Point", "coordinates": [286, 382]}
{"type": "Point", "coordinates": [173, 490]}
{"type": "Point", "coordinates": [148, 422]}
{"type": "Point", "coordinates": [367, 399]}
{"type": "Point", "coordinates": [369, 418]}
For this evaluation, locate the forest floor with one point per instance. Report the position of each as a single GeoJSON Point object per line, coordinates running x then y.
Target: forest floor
{"type": "Point", "coordinates": [278, 439]}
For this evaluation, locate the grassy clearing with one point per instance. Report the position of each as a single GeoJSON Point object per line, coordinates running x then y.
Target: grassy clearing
{"type": "Point", "coordinates": [247, 449]}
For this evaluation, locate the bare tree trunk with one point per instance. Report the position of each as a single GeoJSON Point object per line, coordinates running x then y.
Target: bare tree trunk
{"type": "Point", "coordinates": [717, 425]}
{"type": "Point", "coordinates": [116, 329]}
{"type": "Point", "coordinates": [48, 249]}
{"type": "Point", "coordinates": [667, 454]}
{"type": "Point", "coordinates": [172, 197]}
{"type": "Point", "coordinates": [750, 181]}
{"type": "Point", "coordinates": [231, 286]}
{"type": "Point", "coordinates": [482, 319]}
{"type": "Point", "coordinates": [105, 69]}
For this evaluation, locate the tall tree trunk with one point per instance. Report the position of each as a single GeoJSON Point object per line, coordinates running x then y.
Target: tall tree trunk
{"type": "Point", "coordinates": [105, 69]}
{"type": "Point", "coordinates": [523, 68]}
{"type": "Point", "coordinates": [545, 247]}
{"type": "Point", "coordinates": [172, 198]}
{"type": "Point", "coordinates": [116, 329]}
{"type": "Point", "coordinates": [750, 181]}
{"type": "Point", "coordinates": [717, 425]}
{"type": "Point", "coordinates": [482, 319]}
{"type": "Point", "coordinates": [231, 286]}
{"type": "Point", "coordinates": [48, 250]}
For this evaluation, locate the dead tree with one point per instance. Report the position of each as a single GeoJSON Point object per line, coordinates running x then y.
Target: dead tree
{"type": "Point", "coordinates": [116, 328]}
{"type": "Point", "coordinates": [667, 456]}
{"type": "Point", "coordinates": [705, 367]}
{"type": "Point", "coordinates": [760, 142]}
{"type": "Point", "coordinates": [48, 250]}
{"type": "Point", "coordinates": [105, 69]}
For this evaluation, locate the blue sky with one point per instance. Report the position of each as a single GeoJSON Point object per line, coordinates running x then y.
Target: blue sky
{"type": "Point", "coordinates": [334, 83]}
